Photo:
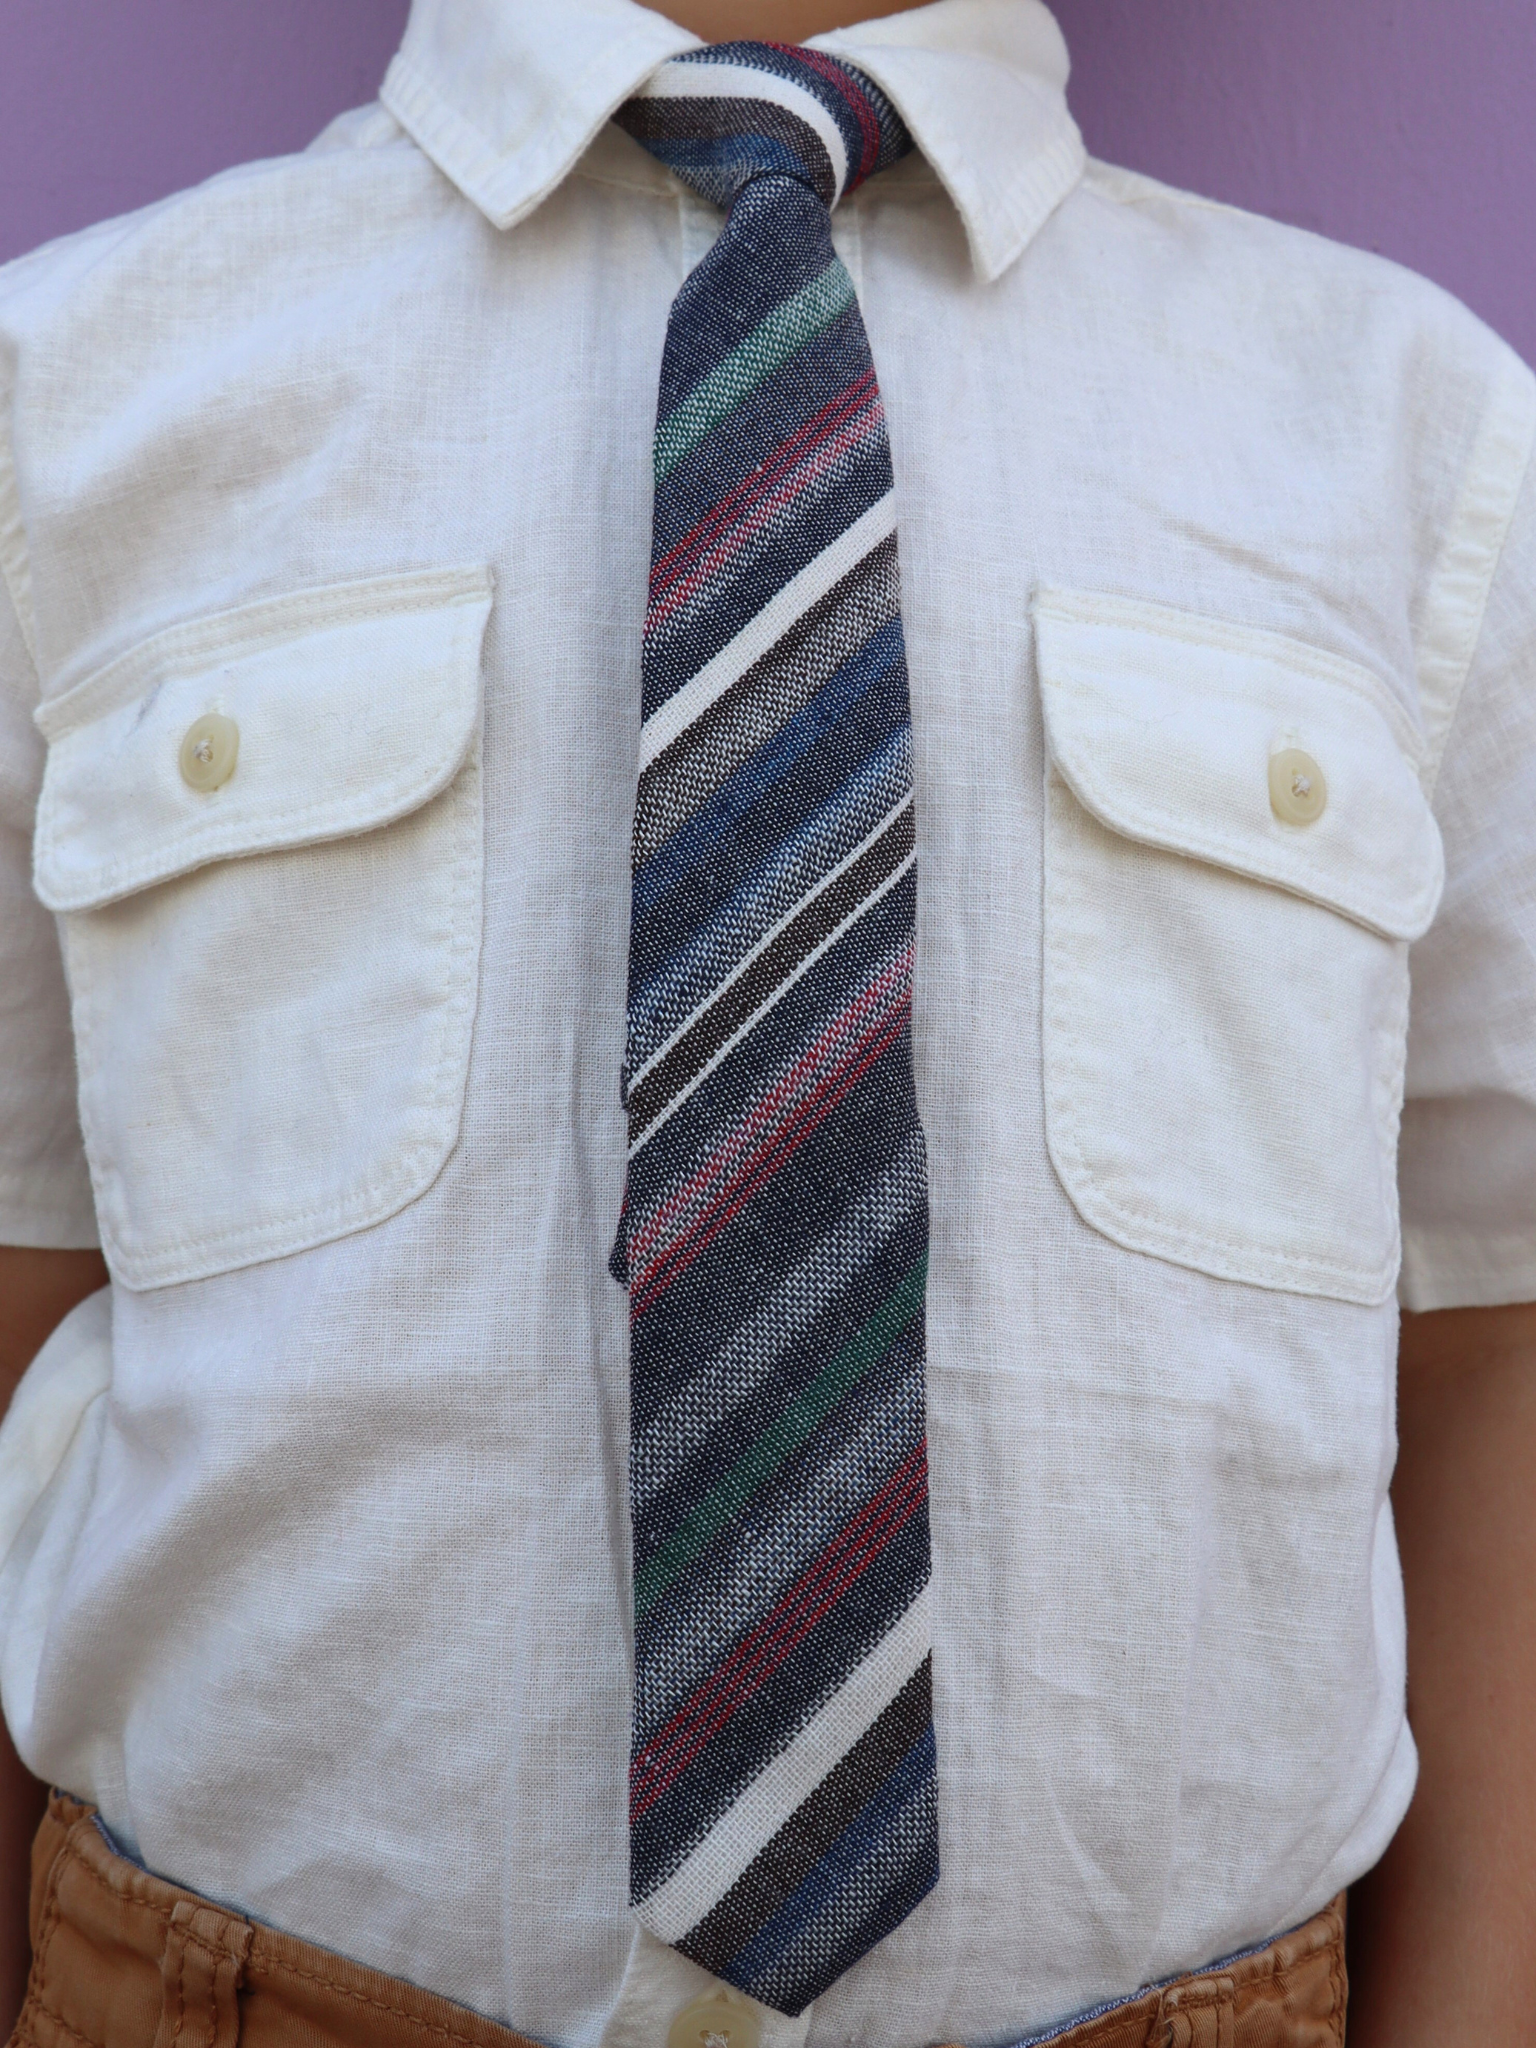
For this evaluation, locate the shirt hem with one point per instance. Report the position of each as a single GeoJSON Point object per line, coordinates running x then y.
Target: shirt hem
{"type": "Point", "coordinates": [37, 1226]}
{"type": "Point", "coordinates": [1454, 1269]}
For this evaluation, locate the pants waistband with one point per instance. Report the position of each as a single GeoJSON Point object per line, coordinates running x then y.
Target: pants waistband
{"type": "Point", "coordinates": [124, 1959]}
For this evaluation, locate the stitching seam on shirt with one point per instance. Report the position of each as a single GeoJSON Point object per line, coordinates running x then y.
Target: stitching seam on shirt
{"type": "Point", "coordinates": [1255, 1254]}
{"type": "Point", "coordinates": [1198, 629]}
{"type": "Point", "coordinates": [1244, 854]}
{"type": "Point", "coordinates": [182, 649]}
{"type": "Point", "coordinates": [1237, 854]}
{"type": "Point", "coordinates": [186, 651]}
{"type": "Point", "coordinates": [15, 567]}
{"type": "Point", "coordinates": [1153, 1235]}
{"type": "Point", "coordinates": [450, 136]}
{"type": "Point", "coordinates": [1463, 575]}
{"type": "Point", "coordinates": [1458, 1268]}
{"type": "Point", "coordinates": [373, 1202]}
{"type": "Point", "coordinates": [1033, 195]}
{"type": "Point", "coordinates": [1246, 1259]}
{"type": "Point", "coordinates": [1148, 191]}
{"type": "Point", "coordinates": [445, 124]}
{"type": "Point", "coordinates": [415, 1160]}
{"type": "Point", "coordinates": [282, 831]}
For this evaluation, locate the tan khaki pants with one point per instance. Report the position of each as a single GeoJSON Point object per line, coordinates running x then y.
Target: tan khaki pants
{"type": "Point", "coordinates": [125, 1960]}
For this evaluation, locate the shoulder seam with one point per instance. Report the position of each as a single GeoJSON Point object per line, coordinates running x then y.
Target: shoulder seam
{"type": "Point", "coordinates": [1463, 574]}
{"type": "Point", "coordinates": [1156, 188]}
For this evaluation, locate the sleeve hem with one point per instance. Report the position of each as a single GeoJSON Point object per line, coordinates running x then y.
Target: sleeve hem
{"type": "Point", "coordinates": [1460, 1269]}
{"type": "Point", "coordinates": [39, 1226]}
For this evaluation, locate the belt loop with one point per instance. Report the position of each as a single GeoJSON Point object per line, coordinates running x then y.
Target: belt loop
{"type": "Point", "coordinates": [1201, 2012]}
{"type": "Point", "coordinates": [201, 1971]}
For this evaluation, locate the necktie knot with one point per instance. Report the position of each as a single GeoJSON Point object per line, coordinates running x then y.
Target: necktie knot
{"type": "Point", "coordinates": [730, 113]}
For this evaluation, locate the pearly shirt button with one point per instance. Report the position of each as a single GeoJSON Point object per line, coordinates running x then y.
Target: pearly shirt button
{"type": "Point", "coordinates": [1297, 788]}
{"type": "Point", "coordinates": [719, 2019]}
{"type": "Point", "coordinates": [209, 751]}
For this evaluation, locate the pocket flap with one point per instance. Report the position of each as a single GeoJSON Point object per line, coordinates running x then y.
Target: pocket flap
{"type": "Point", "coordinates": [354, 704]}
{"type": "Point", "coordinates": [1163, 726]}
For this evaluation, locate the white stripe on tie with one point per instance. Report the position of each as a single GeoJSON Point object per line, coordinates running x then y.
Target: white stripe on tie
{"type": "Point", "coordinates": [818, 888]}
{"type": "Point", "coordinates": [766, 628]}
{"type": "Point", "coordinates": [770, 1003]}
{"type": "Point", "coordinates": [748, 1826]}
{"type": "Point", "coordinates": [680, 80]}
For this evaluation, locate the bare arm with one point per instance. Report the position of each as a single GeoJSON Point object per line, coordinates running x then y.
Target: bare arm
{"type": "Point", "coordinates": [37, 1289]}
{"type": "Point", "coordinates": [1443, 1931]}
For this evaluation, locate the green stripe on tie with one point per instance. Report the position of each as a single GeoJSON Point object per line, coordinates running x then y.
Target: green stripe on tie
{"type": "Point", "coordinates": [788, 327]}
{"type": "Point", "coordinates": [787, 1434]}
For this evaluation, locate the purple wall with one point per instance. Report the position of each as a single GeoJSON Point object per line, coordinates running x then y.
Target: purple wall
{"type": "Point", "coordinates": [1402, 125]}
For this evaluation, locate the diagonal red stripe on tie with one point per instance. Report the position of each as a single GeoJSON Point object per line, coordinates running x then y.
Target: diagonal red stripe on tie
{"type": "Point", "coordinates": [869, 127]}
{"type": "Point", "coordinates": [896, 974]}
{"type": "Point", "coordinates": [761, 1168]}
{"type": "Point", "coordinates": [719, 516]}
{"type": "Point", "coordinates": [867, 421]}
{"type": "Point", "coordinates": [766, 1646]}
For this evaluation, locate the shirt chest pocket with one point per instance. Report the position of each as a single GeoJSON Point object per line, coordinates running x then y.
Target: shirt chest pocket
{"type": "Point", "coordinates": [262, 834]}
{"type": "Point", "coordinates": [1238, 851]}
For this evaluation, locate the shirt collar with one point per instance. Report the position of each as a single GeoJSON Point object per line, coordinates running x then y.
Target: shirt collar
{"type": "Point", "coordinates": [505, 95]}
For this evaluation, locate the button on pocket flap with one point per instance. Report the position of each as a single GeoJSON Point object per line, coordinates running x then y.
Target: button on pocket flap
{"type": "Point", "coordinates": [297, 719]}
{"type": "Point", "coordinates": [1243, 749]}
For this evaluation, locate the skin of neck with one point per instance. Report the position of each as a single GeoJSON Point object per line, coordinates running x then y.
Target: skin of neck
{"type": "Point", "coordinates": [772, 21]}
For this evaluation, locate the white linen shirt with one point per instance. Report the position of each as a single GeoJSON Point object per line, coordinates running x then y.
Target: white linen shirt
{"type": "Point", "coordinates": [314, 1525]}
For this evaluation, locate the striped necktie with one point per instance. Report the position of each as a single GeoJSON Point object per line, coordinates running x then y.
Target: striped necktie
{"type": "Point", "coordinates": [783, 1815]}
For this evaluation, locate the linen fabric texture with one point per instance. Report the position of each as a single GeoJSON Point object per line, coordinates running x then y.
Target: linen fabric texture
{"type": "Point", "coordinates": [782, 1778]}
{"type": "Point", "coordinates": [316, 1552]}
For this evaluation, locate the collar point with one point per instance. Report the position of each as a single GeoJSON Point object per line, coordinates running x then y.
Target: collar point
{"type": "Point", "coordinates": [999, 234]}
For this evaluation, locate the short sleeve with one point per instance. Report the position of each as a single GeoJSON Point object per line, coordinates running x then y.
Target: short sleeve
{"type": "Point", "coordinates": [45, 1192]}
{"type": "Point", "coordinates": [1468, 1159]}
